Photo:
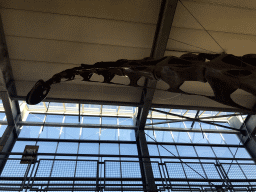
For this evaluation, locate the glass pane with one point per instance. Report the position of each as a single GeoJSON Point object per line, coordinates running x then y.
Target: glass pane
{"type": "Point", "coordinates": [222, 152]}
{"type": "Point", "coordinates": [214, 138]}
{"type": "Point", "coordinates": [126, 135]}
{"type": "Point", "coordinates": [92, 108]}
{"type": "Point", "coordinates": [56, 106]}
{"type": "Point", "coordinates": [187, 151]}
{"type": "Point", "coordinates": [50, 132]}
{"type": "Point", "coordinates": [47, 147]}
{"type": "Point", "coordinates": [168, 150]}
{"type": "Point", "coordinates": [150, 133]}
{"type": "Point", "coordinates": [67, 147]}
{"type": "Point", "coordinates": [160, 121]}
{"type": "Point", "coordinates": [198, 137]}
{"type": "Point", "coordinates": [153, 151]}
{"type": "Point", "coordinates": [88, 148]}
{"type": "Point", "coordinates": [71, 106]}
{"type": "Point", "coordinates": [30, 131]}
{"type": "Point", "coordinates": [240, 152]}
{"type": "Point", "coordinates": [224, 124]}
{"type": "Point", "coordinates": [231, 139]}
{"type": "Point", "coordinates": [181, 137]}
{"type": "Point", "coordinates": [204, 151]}
{"type": "Point", "coordinates": [70, 133]}
{"type": "Point", "coordinates": [54, 118]}
{"type": "Point", "coordinates": [2, 129]}
{"type": "Point", "coordinates": [35, 117]}
{"type": "Point", "coordinates": [176, 124]}
{"type": "Point", "coordinates": [71, 119]}
{"type": "Point", "coordinates": [128, 149]}
{"type": "Point", "coordinates": [109, 134]}
{"type": "Point", "coordinates": [109, 109]}
{"type": "Point", "coordinates": [109, 120]}
{"type": "Point", "coordinates": [163, 136]}
{"type": "Point", "coordinates": [107, 148]}
{"type": "Point", "coordinates": [38, 106]}
{"type": "Point", "coordinates": [91, 120]}
{"type": "Point", "coordinates": [90, 133]}
{"type": "Point", "coordinates": [125, 121]}
{"type": "Point", "coordinates": [210, 113]}
{"type": "Point", "coordinates": [2, 116]}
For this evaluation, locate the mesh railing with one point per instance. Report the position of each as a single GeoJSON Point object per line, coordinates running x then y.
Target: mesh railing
{"type": "Point", "coordinates": [84, 175]}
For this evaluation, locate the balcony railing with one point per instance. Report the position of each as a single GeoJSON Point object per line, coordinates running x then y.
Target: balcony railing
{"type": "Point", "coordinates": [113, 175]}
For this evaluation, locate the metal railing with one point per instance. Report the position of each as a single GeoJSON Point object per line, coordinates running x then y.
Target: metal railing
{"type": "Point", "coordinates": [114, 175]}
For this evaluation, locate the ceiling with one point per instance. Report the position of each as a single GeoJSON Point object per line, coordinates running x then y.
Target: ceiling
{"type": "Point", "coordinates": [46, 37]}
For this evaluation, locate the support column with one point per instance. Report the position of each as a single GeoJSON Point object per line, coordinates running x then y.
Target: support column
{"type": "Point", "coordinates": [248, 136]}
{"type": "Point", "coordinates": [162, 33]}
{"type": "Point", "coordinates": [7, 90]}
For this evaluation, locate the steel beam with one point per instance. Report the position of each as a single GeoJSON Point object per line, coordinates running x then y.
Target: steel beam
{"type": "Point", "coordinates": [83, 115]}
{"type": "Point", "coordinates": [192, 119]}
{"type": "Point", "coordinates": [7, 90]}
{"type": "Point", "coordinates": [126, 142]}
{"type": "Point", "coordinates": [202, 108]}
{"type": "Point", "coordinates": [131, 156]}
{"type": "Point", "coordinates": [82, 101]}
{"type": "Point", "coordinates": [136, 104]}
{"type": "Point", "coordinates": [163, 28]}
{"type": "Point", "coordinates": [77, 125]}
{"type": "Point", "coordinates": [248, 138]}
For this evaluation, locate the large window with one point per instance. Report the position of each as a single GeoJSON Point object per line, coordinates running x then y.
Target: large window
{"type": "Point", "coordinates": [101, 140]}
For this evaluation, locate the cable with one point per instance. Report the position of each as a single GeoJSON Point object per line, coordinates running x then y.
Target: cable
{"type": "Point", "coordinates": [170, 97]}
{"type": "Point", "coordinates": [201, 25]}
{"type": "Point", "coordinates": [192, 45]}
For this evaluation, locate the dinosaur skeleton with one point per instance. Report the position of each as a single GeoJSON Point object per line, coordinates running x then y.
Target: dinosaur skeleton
{"type": "Point", "coordinates": [224, 72]}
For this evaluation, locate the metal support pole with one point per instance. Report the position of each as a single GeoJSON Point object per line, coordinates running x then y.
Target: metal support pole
{"type": "Point", "coordinates": [7, 89]}
{"type": "Point", "coordinates": [248, 128]}
{"type": "Point", "coordinates": [162, 33]}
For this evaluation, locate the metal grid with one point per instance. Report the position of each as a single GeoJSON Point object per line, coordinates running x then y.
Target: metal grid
{"type": "Point", "coordinates": [63, 169]}
{"type": "Point", "coordinates": [194, 170]}
{"type": "Point", "coordinates": [83, 175]}
{"type": "Point", "coordinates": [86, 168]}
{"type": "Point", "coordinates": [13, 168]}
{"type": "Point", "coordinates": [233, 171]}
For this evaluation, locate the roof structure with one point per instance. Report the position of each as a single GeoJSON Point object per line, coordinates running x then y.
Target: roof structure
{"type": "Point", "coordinates": [46, 37]}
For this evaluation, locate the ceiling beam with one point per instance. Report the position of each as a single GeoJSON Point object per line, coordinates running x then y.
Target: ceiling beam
{"type": "Point", "coordinates": [136, 104]}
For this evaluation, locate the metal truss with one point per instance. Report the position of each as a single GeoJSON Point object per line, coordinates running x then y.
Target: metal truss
{"type": "Point", "coordinates": [127, 142]}
{"type": "Point", "coordinates": [192, 119]}
{"type": "Point", "coordinates": [78, 125]}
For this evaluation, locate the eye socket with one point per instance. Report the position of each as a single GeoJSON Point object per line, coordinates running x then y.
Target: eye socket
{"type": "Point", "coordinates": [239, 73]}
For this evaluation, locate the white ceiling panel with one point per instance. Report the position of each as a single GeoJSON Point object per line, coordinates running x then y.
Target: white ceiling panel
{"type": "Point", "coordinates": [78, 29]}
{"type": "Point", "coordinates": [142, 11]}
{"type": "Point", "coordinates": [69, 52]}
{"type": "Point", "coordinates": [247, 4]}
{"type": "Point", "coordinates": [200, 41]}
{"type": "Point", "coordinates": [216, 18]}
